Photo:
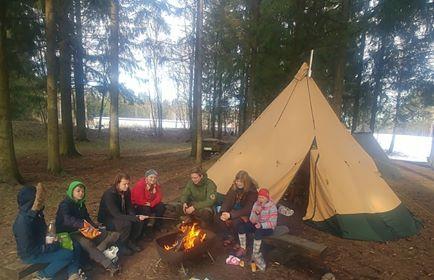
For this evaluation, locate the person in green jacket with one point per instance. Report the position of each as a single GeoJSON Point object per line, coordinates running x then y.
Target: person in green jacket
{"type": "Point", "coordinates": [199, 196]}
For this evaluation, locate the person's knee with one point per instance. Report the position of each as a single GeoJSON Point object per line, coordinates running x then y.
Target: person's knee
{"type": "Point", "coordinates": [122, 225]}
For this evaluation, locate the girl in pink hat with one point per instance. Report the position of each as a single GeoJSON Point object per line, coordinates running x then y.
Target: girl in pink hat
{"type": "Point", "coordinates": [263, 221]}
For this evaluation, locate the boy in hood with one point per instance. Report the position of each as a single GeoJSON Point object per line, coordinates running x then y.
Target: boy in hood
{"type": "Point", "coordinates": [30, 229]}
{"type": "Point", "coordinates": [72, 215]}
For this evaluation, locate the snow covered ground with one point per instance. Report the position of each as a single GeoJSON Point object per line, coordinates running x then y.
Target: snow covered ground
{"type": "Point", "coordinates": [407, 147]}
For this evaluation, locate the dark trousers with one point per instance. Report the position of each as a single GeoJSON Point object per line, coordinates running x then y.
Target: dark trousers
{"type": "Point", "coordinates": [56, 260]}
{"type": "Point", "coordinates": [128, 231]}
{"type": "Point", "coordinates": [158, 210]}
{"type": "Point", "coordinates": [228, 228]}
{"type": "Point", "coordinates": [259, 233]}
{"type": "Point", "coordinates": [89, 245]}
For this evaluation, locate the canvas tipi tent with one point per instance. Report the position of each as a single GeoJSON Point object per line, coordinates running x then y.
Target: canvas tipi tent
{"type": "Point", "coordinates": [347, 195]}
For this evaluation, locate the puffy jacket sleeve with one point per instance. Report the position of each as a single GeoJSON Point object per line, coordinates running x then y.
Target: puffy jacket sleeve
{"type": "Point", "coordinates": [211, 190]}
{"type": "Point", "coordinates": [69, 220]}
{"type": "Point", "coordinates": [88, 218]}
{"type": "Point", "coordinates": [137, 195]}
{"type": "Point", "coordinates": [250, 199]}
{"type": "Point", "coordinates": [271, 219]}
{"type": "Point", "coordinates": [158, 196]}
{"type": "Point", "coordinates": [228, 202]}
{"type": "Point", "coordinates": [186, 193]}
{"type": "Point", "coordinates": [253, 216]}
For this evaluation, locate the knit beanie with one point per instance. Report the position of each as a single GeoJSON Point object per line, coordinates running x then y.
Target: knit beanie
{"type": "Point", "coordinates": [264, 192]}
{"type": "Point", "coordinates": [151, 172]}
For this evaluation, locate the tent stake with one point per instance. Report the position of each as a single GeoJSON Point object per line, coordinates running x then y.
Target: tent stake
{"type": "Point", "coordinates": [310, 64]}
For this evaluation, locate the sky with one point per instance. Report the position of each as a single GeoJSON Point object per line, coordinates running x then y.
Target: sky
{"type": "Point", "coordinates": [167, 86]}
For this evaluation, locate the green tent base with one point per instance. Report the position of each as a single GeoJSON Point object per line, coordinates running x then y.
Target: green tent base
{"type": "Point", "coordinates": [390, 225]}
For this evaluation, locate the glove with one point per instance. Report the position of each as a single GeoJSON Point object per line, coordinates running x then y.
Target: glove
{"type": "Point", "coordinates": [41, 194]}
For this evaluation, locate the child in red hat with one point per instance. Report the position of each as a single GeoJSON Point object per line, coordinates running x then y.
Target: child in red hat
{"type": "Point", "coordinates": [263, 221]}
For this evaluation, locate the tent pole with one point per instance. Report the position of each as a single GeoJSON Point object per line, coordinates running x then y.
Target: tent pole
{"type": "Point", "coordinates": [310, 64]}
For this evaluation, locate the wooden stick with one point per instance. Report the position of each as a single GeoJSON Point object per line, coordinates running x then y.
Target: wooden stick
{"type": "Point", "coordinates": [164, 218]}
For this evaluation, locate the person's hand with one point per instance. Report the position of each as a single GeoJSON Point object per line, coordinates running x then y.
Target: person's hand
{"type": "Point", "coordinates": [225, 216]}
{"type": "Point", "coordinates": [142, 217]}
{"type": "Point", "coordinates": [189, 210]}
{"type": "Point", "coordinates": [258, 225]}
{"type": "Point", "coordinates": [147, 204]}
{"type": "Point", "coordinates": [184, 207]}
{"type": "Point", "coordinates": [40, 197]}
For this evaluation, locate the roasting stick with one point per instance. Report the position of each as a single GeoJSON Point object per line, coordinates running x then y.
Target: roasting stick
{"type": "Point", "coordinates": [163, 218]}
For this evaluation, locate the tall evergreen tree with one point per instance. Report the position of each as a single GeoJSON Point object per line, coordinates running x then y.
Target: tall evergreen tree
{"type": "Point", "coordinates": [65, 48]}
{"type": "Point", "coordinates": [79, 74]}
{"type": "Point", "coordinates": [52, 121]}
{"type": "Point", "coordinates": [114, 146]}
{"type": "Point", "coordinates": [8, 164]}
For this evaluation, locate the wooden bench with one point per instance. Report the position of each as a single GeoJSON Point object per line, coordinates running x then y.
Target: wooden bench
{"type": "Point", "coordinates": [19, 270]}
{"type": "Point", "coordinates": [293, 244]}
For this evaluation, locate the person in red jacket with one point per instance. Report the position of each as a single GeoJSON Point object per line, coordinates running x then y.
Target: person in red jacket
{"type": "Point", "coordinates": [146, 197]}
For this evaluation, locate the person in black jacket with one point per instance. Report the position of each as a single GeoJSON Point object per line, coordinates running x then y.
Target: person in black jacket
{"type": "Point", "coordinates": [117, 214]}
{"type": "Point", "coordinates": [30, 230]}
{"type": "Point", "coordinates": [71, 217]}
{"type": "Point", "coordinates": [237, 205]}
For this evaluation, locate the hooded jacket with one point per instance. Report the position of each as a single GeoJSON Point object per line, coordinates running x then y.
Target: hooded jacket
{"type": "Point", "coordinates": [30, 228]}
{"type": "Point", "coordinates": [200, 196]}
{"type": "Point", "coordinates": [71, 214]}
{"type": "Point", "coordinates": [141, 195]}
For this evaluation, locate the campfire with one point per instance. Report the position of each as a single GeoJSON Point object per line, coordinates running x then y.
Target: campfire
{"type": "Point", "coordinates": [190, 236]}
{"type": "Point", "coordinates": [188, 241]}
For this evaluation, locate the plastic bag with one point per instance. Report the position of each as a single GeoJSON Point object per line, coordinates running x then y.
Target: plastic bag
{"type": "Point", "coordinates": [65, 241]}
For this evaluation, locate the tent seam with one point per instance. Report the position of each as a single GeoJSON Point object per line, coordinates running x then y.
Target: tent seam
{"type": "Point", "coordinates": [286, 104]}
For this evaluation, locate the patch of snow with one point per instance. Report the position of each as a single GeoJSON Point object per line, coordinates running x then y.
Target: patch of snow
{"type": "Point", "coordinates": [407, 147]}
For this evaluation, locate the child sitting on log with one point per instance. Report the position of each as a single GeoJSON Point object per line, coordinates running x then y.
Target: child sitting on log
{"type": "Point", "coordinates": [72, 215]}
{"type": "Point", "coordinates": [262, 222]}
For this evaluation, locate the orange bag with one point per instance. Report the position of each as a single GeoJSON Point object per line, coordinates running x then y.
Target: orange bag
{"type": "Point", "coordinates": [89, 231]}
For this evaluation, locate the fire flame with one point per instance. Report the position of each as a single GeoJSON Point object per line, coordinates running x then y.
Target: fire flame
{"type": "Point", "coordinates": [191, 234]}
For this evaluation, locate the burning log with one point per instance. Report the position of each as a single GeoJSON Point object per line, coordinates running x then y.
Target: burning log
{"type": "Point", "coordinates": [190, 236]}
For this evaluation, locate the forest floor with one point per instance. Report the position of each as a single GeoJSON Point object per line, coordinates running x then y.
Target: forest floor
{"type": "Point", "coordinates": [409, 258]}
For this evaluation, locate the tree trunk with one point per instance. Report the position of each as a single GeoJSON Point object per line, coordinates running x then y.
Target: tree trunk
{"type": "Point", "coordinates": [68, 146]}
{"type": "Point", "coordinates": [79, 75]}
{"type": "Point", "coordinates": [191, 93]}
{"type": "Point", "coordinates": [251, 71]}
{"type": "Point", "coordinates": [242, 104]}
{"type": "Point", "coordinates": [8, 164]}
{"type": "Point", "coordinates": [431, 156]}
{"type": "Point", "coordinates": [53, 124]}
{"type": "Point", "coordinates": [214, 105]}
{"type": "Point", "coordinates": [114, 147]}
{"type": "Point", "coordinates": [360, 68]}
{"type": "Point", "coordinates": [395, 123]}
{"type": "Point", "coordinates": [198, 61]}
{"type": "Point", "coordinates": [159, 105]}
{"type": "Point", "coordinates": [338, 89]}
{"type": "Point", "coordinates": [101, 111]}
{"type": "Point", "coordinates": [379, 66]}
{"type": "Point", "coordinates": [219, 106]}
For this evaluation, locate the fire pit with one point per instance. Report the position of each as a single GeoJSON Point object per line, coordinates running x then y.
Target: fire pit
{"type": "Point", "coordinates": [189, 241]}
